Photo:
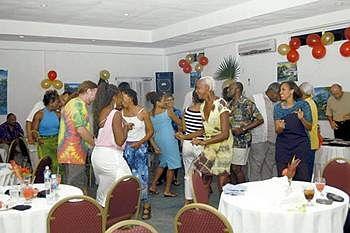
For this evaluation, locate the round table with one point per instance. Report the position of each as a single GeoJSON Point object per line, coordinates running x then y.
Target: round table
{"type": "Point", "coordinates": [327, 153]}
{"type": "Point", "coordinates": [7, 176]}
{"type": "Point", "coordinates": [34, 219]}
{"type": "Point", "coordinates": [268, 207]}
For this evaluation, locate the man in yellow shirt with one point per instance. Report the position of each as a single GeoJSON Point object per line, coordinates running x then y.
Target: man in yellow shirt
{"type": "Point", "coordinates": [338, 112]}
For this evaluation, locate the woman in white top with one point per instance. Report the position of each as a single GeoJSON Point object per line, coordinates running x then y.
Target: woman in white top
{"type": "Point", "coordinates": [136, 146]}
{"type": "Point", "coordinates": [107, 155]}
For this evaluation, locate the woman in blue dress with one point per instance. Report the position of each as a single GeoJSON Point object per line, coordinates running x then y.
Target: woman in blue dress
{"type": "Point", "coordinates": [292, 120]}
{"type": "Point", "coordinates": [164, 142]}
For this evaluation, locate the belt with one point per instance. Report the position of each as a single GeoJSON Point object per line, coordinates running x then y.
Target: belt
{"type": "Point", "coordinates": [51, 136]}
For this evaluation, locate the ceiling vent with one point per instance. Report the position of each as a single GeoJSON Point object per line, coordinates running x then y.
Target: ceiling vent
{"type": "Point", "coordinates": [258, 47]}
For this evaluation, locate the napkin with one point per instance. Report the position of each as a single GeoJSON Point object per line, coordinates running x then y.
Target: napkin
{"type": "Point", "coordinates": [234, 189]}
{"type": "Point", "coordinates": [21, 207]}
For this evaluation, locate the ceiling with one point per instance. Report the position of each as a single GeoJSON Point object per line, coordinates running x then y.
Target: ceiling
{"type": "Point", "coordinates": [130, 14]}
{"type": "Point", "coordinates": [149, 23]}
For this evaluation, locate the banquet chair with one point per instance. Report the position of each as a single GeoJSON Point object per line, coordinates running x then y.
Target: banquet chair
{"type": "Point", "coordinates": [123, 200]}
{"type": "Point", "coordinates": [200, 190]}
{"type": "Point", "coordinates": [200, 218]}
{"type": "Point", "coordinates": [131, 226]}
{"type": "Point", "coordinates": [337, 174]}
{"type": "Point", "coordinates": [40, 168]}
{"type": "Point", "coordinates": [19, 152]}
{"type": "Point", "coordinates": [76, 214]}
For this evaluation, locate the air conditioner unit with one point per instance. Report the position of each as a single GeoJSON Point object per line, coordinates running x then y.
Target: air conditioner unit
{"type": "Point", "coordinates": [258, 47]}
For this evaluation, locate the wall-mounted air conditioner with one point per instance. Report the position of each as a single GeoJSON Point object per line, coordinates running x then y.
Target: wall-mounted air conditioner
{"type": "Point", "coordinates": [258, 47]}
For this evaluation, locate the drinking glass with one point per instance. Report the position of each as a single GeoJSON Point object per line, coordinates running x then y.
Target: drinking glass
{"type": "Point", "coordinates": [309, 193]}
{"type": "Point", "coordinates": [14, 195]}
{"type": "Point", "coordinates": [320, 184]}
{"type": "Point", "coordinates": [27, 193]}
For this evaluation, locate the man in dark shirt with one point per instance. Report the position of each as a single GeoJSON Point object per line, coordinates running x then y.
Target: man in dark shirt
{"type": "Point", "coordinates": [10, 130]}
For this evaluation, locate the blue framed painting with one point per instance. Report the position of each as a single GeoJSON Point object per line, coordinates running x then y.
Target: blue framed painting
{"type": "Point", "coordinates": [71, 87]}
{"type": "Point", "coordinates": [194, 76]}
{"type": "Point", "coordinates": [3, 91]}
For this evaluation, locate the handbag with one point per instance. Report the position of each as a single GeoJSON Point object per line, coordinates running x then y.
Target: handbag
{"type": "Point", "coordinates": [203, 165]}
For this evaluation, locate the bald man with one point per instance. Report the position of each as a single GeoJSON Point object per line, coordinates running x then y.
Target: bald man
{"type": "Point", "coordinates": [338, 112]}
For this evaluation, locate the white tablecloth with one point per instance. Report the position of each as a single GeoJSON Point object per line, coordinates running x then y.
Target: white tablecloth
{"type": "Point", "coordinates": [267, 207]}
{"type": "Point", "coordinates": [33, 220]}
{"type": "Point", "coordinates": [327, 153]}
{"type": "Point", "coordinates": [7, 176]}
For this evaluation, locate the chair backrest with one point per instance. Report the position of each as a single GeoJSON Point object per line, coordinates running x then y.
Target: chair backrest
{"type": "Point", "coordinates": [131, 226]}
{"type": "Point", "coordinates": [123, 200]}
{"type": "Point", "coordinates": [11, 151]}
{"type": "Point", "coordinates": [200, 190]}
{"type": "Point", "coordinates": [337, 174]}
{"type": "Point", "coordinates": [76, 214]}
{"type": "Point", "coordinates": [40, 168]}
{"type": "Point", "coordinates": [19, 152]}
{"type": "Point", "coordinates": [200, 218]}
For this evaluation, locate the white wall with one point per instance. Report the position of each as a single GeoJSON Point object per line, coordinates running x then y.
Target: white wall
{"type": "Point", "coordinates": [28, 64]}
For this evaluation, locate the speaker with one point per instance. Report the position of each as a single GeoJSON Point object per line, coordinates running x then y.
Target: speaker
{"type": "Point", "coordinates": [165, 82]}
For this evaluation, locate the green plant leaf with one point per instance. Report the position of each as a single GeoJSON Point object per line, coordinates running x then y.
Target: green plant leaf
{"type": "Point", "coordinates": [228, 69]}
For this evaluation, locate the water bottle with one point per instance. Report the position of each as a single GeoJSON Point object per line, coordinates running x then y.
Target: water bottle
{"type": "Point", "coordinates": [47, 182]}
{"type": "Point", "coordinates": [54, 185]}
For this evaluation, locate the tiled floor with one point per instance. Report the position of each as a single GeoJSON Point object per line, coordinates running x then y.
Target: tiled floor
{"type": "Point", "coordinates": [165, 209]}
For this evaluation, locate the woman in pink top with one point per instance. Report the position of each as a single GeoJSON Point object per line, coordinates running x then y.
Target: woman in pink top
{"type": "Point", "coordinates": [107, 156]}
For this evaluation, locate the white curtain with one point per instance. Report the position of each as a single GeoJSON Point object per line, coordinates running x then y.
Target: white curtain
{"type": "Point", "coordinates": [142, 85]}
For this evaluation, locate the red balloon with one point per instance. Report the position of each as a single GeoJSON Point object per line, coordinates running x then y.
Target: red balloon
{"type": "Point", "coordinates": [294, 43]}
{"type": "Point", "coordinates": [52, 75]}
{"type": "Point", "coordinates": [313, 39]}
{"type": "Point", "coordinates": [182, 63]}
{"type": "Point", "coordinates": [347, 33]}
{"type": "Point", "coordinates": [293, 56]}
{"type": "Point", "coordinates": [319, 51]}
{"type": "Point", "coordinates": [345, 49]}
{"type": "Point", "coordinates": [203, 60]}
{"type": "Point", "coordinates": [187, 69]}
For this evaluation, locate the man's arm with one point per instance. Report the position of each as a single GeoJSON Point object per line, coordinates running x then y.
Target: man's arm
{"type": "Point", "coordinates": [86, 136]}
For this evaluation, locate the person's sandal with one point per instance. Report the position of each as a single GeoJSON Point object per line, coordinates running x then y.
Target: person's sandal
{"type": "Point", "coordinates": [146, 213]}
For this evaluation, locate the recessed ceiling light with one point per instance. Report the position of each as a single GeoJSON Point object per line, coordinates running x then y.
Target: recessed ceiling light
{"type": "Point", "coordinates": [339, 3]}
{"type": "Point", "coordinates": [43, 5]}
{"type": "Point", "coordinates": [21, 36]}
{"type": "Point", "coordinates": [93, 40]}
{"type": "Point", "coordinates": [126, 14]}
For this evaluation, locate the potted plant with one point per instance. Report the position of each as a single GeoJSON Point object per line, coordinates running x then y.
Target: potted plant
{"type": "Point", "coordinates": [228, 69]}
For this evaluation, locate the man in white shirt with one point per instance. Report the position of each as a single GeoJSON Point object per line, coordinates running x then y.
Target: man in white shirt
{"type": "Point", "coordinates": [33, 153]}
{"type": "Point", "coordinates": [261, 162]}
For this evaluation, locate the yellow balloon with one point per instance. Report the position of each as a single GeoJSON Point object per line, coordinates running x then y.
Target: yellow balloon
{"type": "Point", "coordinates": [198, 68]}
{"type": "Point", "coordinates": [190, 58]}
{"type": "Point", "coordinates": [104, 74]}
{"type": "Point", "coordinates": [327, 38]}
{"type": "Point", "coordinates": [283, 49]}
{"type": "Point", "coordinates": [57, 84]}
{"type": "Point", "coordinates": [45, 84]}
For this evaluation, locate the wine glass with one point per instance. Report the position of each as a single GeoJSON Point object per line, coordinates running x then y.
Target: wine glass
{"type": "Point", "coordinates": [320, 184]}
{"type": "Point", "coordinates": [309, 193]}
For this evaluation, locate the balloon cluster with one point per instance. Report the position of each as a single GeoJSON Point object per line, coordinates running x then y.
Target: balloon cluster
{"type": "Point", "coordinates": [290, 50]}
{"type": "Point", "coordinates": [345, 47]}
{"type": "Point", "coordinates": [186, 62]}
{"type": "Point", "coordinates": [51, 80]}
